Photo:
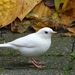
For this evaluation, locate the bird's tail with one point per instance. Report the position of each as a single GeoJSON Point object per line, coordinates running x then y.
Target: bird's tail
{"type": "Point", "coordinates": [5, 45]}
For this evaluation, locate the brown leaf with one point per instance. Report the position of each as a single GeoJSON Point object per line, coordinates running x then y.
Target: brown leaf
{"type": "Point", "coordinates": [71, 30]}
{"type": "Point", "coordinates": [66, 20]}
{"type": "Point", "coordinates": [20, 27]}
{"type": "Point", "coordinates": [71, 8]}
{"type": "Point", "coordinates": [38, 26]}
{"type": "Point", "coordinates": [40, 12]}
{"type": "Point", "coordinates": [68, 34]}
{"type": "Point", "coordinates": [28, 5]}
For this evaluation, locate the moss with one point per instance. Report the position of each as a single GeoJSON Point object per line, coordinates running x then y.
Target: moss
{"type": "Point", "coordinates": [69, 66]}
{"type": "Point", "coordinates": [1, 68]}
{"type": "Point", "coordinates": [72, 56]}
{"type": "Point", "coordinates": [66, 72]}
{"type": "Point", "coordinates": [10, 53]}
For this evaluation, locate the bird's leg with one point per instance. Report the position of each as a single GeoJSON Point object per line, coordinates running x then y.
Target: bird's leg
{"type": "Point", "coordinates": [38, 66]}
{"type": "Point", "coordinates": [35, 63]}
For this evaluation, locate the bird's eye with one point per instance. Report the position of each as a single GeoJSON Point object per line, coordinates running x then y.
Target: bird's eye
{"type": "Point", "coordinates": [46, 32]}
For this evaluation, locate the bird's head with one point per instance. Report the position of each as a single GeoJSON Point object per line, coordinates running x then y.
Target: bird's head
{"type": "Point", "coordinates": [46, 32]}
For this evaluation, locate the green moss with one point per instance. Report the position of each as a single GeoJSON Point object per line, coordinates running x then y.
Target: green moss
{"type": "Point", "coordinates": [2, 54]}
{"type": "Point", "coordinates": [66, 72]}
{"type": "Point", "coordinates": [69, 67]}
{"type": "Point", "coordinates": [72, 56]}
{"type": "Point", "coordinates": [1, 68]}
{"type": "Point", "coordinates": [11, 53]}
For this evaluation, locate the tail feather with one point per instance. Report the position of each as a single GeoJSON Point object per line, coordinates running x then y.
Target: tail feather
{"type": "Point", "coordinates": [5, 45]}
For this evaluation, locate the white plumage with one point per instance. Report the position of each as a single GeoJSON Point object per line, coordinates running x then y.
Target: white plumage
{"type": "Point", "coordinates": [33, 44]}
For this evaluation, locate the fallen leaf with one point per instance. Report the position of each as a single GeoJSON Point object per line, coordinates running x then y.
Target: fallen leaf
{"type": "Point", "coordinates": [9, 10]}
{"type": "Point", "coordinates": [20, 27]}
{"type": "Point", "coordinates": [71, 8]}
{"type": "Point", "coordinates": [67, 34]}
{"type": "Point", "coordinates": [55, 16]}
{"type": "Point", "coordinates": [37, 26]}
{"type": "Point", "coordinates": [66, 19]}
{"type": "Point", "coordinates": [40, 12]}
{"type": "Point", "coordinates": [42, 16]}
{"type": "Point", "coordinates": [28, 5]}
{"type": "Point", "coordinates": [71, 30]}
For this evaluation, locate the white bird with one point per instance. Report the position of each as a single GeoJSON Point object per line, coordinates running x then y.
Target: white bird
{"type": "Point", "coordinates": [33, 44]}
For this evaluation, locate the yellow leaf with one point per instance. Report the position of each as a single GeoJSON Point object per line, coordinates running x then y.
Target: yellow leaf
{"type": "Point", "coordinates": [40, 11]}
{"type": "Point", "coordinates": [55, 16]}
{"type": "Point", "coordinates": [9, 10]}
{"type": "Point", "coordinates": [38, 26]}
{"type": "Point", "coordinates": [28, 5]}
{"type": "Point", "coordinates": [65, 2]}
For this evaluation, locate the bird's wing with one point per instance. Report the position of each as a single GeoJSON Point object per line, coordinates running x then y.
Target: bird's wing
{"type": "Point", "coordinates": [27, 41]}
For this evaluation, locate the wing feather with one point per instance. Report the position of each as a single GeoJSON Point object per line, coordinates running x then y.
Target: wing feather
{"type": "Point", "coordinates": [25, 41]}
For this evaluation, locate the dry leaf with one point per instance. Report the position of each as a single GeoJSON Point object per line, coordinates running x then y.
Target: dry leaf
{"type": "Point", "coordinates": [67, 34]}
{"type": "Point", "coordinates": [38, 25]}
{"type": "Point", "coordinates": [20, 26]}
{"type": "Point", "coordinates": [66, 20]}
{"type": "Point", "coordinates": [28, 5]}
{"type": "Point", "coordinates": [71, 30]}
{"type": "Point", "coordinates": [40, 12]}
{"type": "Point", "coordinates": [71, 8]}
{"type": "Point", "coordinates": [9, 10]}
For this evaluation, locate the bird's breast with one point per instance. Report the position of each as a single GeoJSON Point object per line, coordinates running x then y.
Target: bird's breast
{"type": "Point", "coordinates": [41, 48]}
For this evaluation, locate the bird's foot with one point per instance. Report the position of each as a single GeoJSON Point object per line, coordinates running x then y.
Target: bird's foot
{"type": "Point", "coordinates": [39, 63]}
{"type": "Point", "coordinates": [36, 64]}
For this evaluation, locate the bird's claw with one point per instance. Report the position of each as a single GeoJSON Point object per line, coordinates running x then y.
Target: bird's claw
{"type": "Point", "coordinates": [36, 64]}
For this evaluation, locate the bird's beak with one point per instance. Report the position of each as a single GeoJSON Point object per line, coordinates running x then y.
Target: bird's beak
{"type": "Point", "coordinates": [53, 32]}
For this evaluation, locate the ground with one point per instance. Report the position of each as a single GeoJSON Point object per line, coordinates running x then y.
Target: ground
{"type": "Point", "coordinates": [59, 60]}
